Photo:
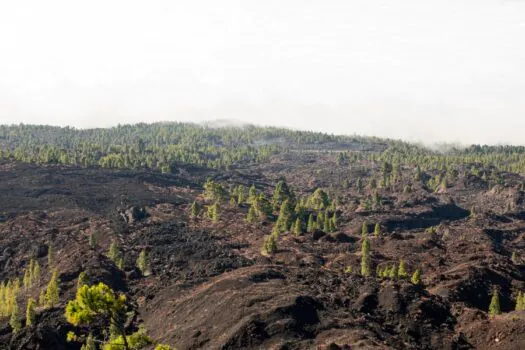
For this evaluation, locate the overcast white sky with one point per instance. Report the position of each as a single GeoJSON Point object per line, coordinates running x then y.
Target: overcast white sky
{"type": "Point", "coordinates": [420, 70]}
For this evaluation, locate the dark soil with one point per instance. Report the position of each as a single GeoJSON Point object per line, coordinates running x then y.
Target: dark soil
{"type": "Point", "coordinates": [210, 287]}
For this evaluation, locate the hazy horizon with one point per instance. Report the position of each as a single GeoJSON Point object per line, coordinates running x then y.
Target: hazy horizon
{"type": "Point", "coordinates": [447, 71]}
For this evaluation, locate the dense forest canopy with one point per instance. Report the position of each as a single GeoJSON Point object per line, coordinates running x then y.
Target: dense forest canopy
{"type": "Point", "coordinates": [160, 146]}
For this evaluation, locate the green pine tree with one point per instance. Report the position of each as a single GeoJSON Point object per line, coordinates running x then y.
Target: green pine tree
{"type": "Point", "coordinates": [92, 240]}
{"type": "Point", "coordinates": [30, 312]}
{"type": "Point", "coordinates": [416, 277]}
{"type": "Point", "coordinates": [194, 209]}
{"type": "Point", "coordinates": [326, 224]}
{"type": "Point", "coordinates": [27, 279]}
{"type": "Point", "coordinates": [297, 228]}
{"type": "Point", "coordinates": [14, 321]}
{"type": "Point", "coordinates": [401, 272]}
{"type": "Point", "coordinates": [82, 280]}
{"type": "Point", "coordinates": [113, 252]}
{"type": "Point", "coordinates": [50, 256]}
{"type": "Point", "coordinates": [240, 194]}
{"type": "Point", "coordinates": [269, 245]}
{"type": "Point", "coordinates": [320, 220]}
{"type": "Point", "coordinates": [379, 271]}
{"type": "Point", "coordinates": [252, 194]}
{"type": "Point", "coordinates": [142, 262]}
{"type": "Point", "coordinates": [520, 302]}
{"type": "Point", "coordinates": [494, 307]}
{"type": "Point", "coordinates": [52, 296]}
{"type": "Point", "coordinates": [393, 273]}
{"type": "Point", "coordinates": [285, 217]}
{"type": "Point", "coordinates": [377, 230]}
{"type": "Point", "coordinates": [213, 212]}
{"type": "Point", "coordinates": [251, 214]}
{"type": "Point", "coordinates": [42, 298]}
{"type": "Point", "coordinates": [31, 271]}
{"type": "Point", "coordinates": [311, 224]}
{"type": "Point", "coordinates": [364, 229]}
{"type": "Point", "coordinates": [365, 258]}
{"type": "Point", "coordinates": [120, 263]}
{"type": "Point", "coordinates": [334, 222]}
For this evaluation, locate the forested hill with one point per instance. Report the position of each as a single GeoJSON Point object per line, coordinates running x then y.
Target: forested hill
{"type": "Point", "coordinates": [161, 146]}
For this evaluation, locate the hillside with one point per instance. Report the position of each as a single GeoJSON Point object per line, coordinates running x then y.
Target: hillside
{"type": "Point", "coordinates": [263, 238]}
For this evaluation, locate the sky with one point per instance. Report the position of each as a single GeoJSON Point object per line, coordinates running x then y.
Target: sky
{"type": "Point", "coordinates": [430, 71]}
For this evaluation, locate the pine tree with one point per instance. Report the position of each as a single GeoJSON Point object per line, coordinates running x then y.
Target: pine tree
{"type": "Point", "coordinates": [275, 231]}
{"type": "Point", "coordinates": [281, 193]}
{"type": "Point", "coordinates": [285, 217]}
{"type": "Point", "coordinates": [401, 272]}
{"type": "Point", "coordinates": [31, 268]}
{"type": "Point", "coordinates": [377, 230]}
{"type": "Point", "coordinates": [379, 271]}
{"type": "Point", "coordinates": [252, 194]}
{"type": "Point", "coordinates": [334, 222]}
{"type": "Point", "coordinates": [42, 298]}
{"type": "Point", "coordinates": [27, 279]}
{"type": "Point", "coordinates": [393, 273]}
{"type": "Point", "coordinates": [262, 206]}
{"type": "Point", "coordinates": [16, 286]}
{"type": "Point", "coordinates": [320, 220]}
{"type": "Point", "coordinates": [14, 321]}
{"type": "Point", "coordinates": [299, 210]}
{"type": "Point", "coordinates": [251, 214]}
{"type": "Point", "coordinates": [297, 228]}
{"type": "Point", "coordinates": [35, 275]}
{"type": "Point", "coordinates": [113, 252]}
{"type": "Point", "coordinates": [311, 224]}
{"type": "Point", "coordinates": [92, 240]}
{"type": "Point", "coordinates": [120, 263]}
{"type": "Point", "coordinates": [520, 301]}
{"type": "Point", "coordinates": [82, 280]}
{"type": "Point", "coordinates": [514, 258]}
{"type": "Point", "coordinates": [331, 227]}
{"type": "Point", "coordinates": [377, 200]}
{"type": "Point", "coordinates": [443, 185]}
{"type": "Point", "coordinates": [96, 302]}
{"type": "Point", "coordinates": [364, 229]}
{"type": "Point", "coordinates": [269, 245]}
{"type": "Point", "coordinates": [194, 209]}
{"type": "Point", "coordinates": [52, 297]}
{"type": "Point", "coordinates": [416, 277]}
{"type": "Point", "coordinates": [494, 307]}
{"type": "Point", "coordinates": [240, 194]}
{"type": "Point", "coordinates": [365, 263]}
{"type": "Point", "coordinates": [50, 256]}
{"type": "Point", "coordinates": [142, 262]}
{"type": "Point", "coordinates": [30, 312]}
{"type": "Point", "coordinates": [473, 212]}
{"type": "Point", "coordinates": [213, 212]}
{"type": "Point", "coordinates": [386, 272]}
{"type": "Point", "coordinates": [326, 224]}
{"type": "Point", "coordinates": [318, 200]}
